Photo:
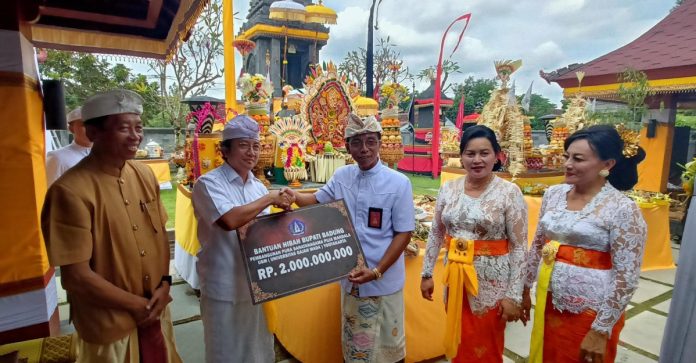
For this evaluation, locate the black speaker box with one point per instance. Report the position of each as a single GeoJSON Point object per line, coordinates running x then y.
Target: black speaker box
{"type": "Point", "coordinates": [652, 128]}
{"type": "Point", "coordinates": [54, 104]}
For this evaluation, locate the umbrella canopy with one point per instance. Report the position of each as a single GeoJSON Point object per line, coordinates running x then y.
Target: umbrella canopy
{"type": "Point", "coordinates": [141, 28]}
{"type": "Point", "coordinates": [244, 46]}
{"type": "Point", "coordinates": [287, 10]}
{"type": "Point", "coordinates": [320, 14]}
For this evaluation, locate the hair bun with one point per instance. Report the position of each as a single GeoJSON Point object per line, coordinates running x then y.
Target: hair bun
{"type": "Point", "coordinates": [624, 175]}
{"type": "Point", "coordinates": [638, 157]}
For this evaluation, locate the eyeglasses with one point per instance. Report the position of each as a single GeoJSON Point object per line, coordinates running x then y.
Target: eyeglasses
{"type": "Point", "coordinates": [358, 143]}
{"type": "Point", "coordinates": [246, 146]}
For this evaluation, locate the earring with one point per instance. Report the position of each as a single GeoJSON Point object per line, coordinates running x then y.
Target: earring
{"type": "Point", "coordinates": [604, 173]}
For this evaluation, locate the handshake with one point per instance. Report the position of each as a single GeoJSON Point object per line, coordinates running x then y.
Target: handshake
{"type": "Point", "coordinates": [283, 198]}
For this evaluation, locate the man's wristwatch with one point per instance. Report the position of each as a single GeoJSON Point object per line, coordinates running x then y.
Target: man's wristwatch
{"type": "Point", "coordinates": [426, 275]}
{"type": "Point", "coordinates": [167, 279]}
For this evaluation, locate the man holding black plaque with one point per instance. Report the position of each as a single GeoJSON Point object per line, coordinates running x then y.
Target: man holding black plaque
{"type": "Point", "coordinates": [223, 200]}
{"type": "Point", "coordinates": [380, 201]}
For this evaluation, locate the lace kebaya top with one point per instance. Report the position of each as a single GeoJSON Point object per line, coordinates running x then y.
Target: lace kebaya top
{"type": "Point", "coordinates": [610, 222]}
{"type": "Point", "coordinates": [500, 212]}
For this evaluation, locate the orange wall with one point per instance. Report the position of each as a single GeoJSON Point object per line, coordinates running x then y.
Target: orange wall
{"type": "Point", "coordinates": [653, 172]}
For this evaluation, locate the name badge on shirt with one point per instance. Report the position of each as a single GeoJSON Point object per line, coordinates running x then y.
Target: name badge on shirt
{"type": "Point", "coordinates": [374, 218]}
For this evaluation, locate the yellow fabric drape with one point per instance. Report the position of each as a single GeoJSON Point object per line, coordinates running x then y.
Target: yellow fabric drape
{"type": "Point", "coordinates": [548, 260]}
{"type": "Point", "coordinates": [658, 249]}
{"type": "Point", "coordinates": [230, 72]}
{"type": "Point", "coordinates": [160, 168]}
{"type": "Point", "coordinates": [460, 278]}
{"type": "Point", "coordinates": [185, 226]}
{"type": "Point", "coordinates": [23, 182]}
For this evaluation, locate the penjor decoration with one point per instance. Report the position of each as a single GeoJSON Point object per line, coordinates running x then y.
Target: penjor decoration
{"type": "Point", "coordinates": [574, 118]}
{"type": "Point", "coordinates": [503, 115]}
{"type": "Point", "coordinates": [293, 135]}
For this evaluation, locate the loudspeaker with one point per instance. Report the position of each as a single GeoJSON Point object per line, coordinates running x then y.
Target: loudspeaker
{"type": "Point", "coordinates": [652, 128]}
{"type": "Point", "coordinates": [54, 104]}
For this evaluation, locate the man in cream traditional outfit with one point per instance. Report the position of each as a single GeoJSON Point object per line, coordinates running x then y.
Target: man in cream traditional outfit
{"type": "Point", "coordinates": [380, 201]}
{"type": "Point", "coordinates": [59, 161]}
{"type": "Point", "coordinates": [104, 225]}
{"type": "Point", "coordinates": [225, 199]}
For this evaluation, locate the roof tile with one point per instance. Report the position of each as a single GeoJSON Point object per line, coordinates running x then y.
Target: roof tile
{"type": "Point", "coordinates": [670, 43]}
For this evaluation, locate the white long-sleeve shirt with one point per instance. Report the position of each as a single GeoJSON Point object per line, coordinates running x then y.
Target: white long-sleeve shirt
{"type": "Point", "coordinates": [59, 161]}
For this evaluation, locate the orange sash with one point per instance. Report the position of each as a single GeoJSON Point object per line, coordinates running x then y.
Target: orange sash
{"type": "Point", "coordinates": [460, 277]}
{"type": "Point", "coordinates": [496, 247]}
{"type": "Point", "coordinates": [584, 257]}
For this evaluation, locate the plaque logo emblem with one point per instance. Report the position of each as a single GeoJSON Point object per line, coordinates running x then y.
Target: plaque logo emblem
{"type": "Point", "coordinates": [296, 227]}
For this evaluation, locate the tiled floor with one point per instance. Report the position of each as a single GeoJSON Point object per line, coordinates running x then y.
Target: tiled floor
{"type": "Point", "coordinates": [624, 355]}
{"type": "Point", "coordinates": [645, 331]}
{"type": "Point", "coordinates": [663, 306]}
{"type": "Point", "coordinates": [189, 341]}
{"type": "Point", "coordinates": [648, 290]}
{"type": "Point", "coordinates": [186, 303]}
{"type": "Point", "coordinates": [640, 339]}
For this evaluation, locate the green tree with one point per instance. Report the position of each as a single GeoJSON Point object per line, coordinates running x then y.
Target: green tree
{"type": "Point", "coordinates": [353, 65]}
{"type": "Point", "coordinates": [476, 93]}
{"type": "Point", "coordinates": [449, 68]}
{"type": "Point", "coordinates": [633, 90]}
{"type": "Point", "coordinates": [538, 106]}
{"type": "Point", "coordinates": [84, 75]}
{"type": "Point", "coordinates": [564, 104]}
{"type": "Point", "coordinates": [195, 68]}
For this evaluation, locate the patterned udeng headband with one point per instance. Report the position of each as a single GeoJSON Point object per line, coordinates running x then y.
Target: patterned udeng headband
{"type": "Point", "coordinates": [630, 139]}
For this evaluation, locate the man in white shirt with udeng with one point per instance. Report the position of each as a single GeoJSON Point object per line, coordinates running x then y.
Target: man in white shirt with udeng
{"type": "Point", "coordinates": [59, 161]}
{"type": "Point", "coordinates": [225, 199]}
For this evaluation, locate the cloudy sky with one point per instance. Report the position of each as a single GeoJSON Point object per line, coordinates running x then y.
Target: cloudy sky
{"type": "Point", "coordinates": [545, 34]}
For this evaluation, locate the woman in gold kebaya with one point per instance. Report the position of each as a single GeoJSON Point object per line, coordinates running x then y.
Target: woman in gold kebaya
{"type": "Point", "coordinates": [482, 221]}
{"type": "Point", "coordinates": [589, 241]}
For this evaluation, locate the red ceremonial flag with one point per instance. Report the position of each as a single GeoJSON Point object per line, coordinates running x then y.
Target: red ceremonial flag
{"type": "Point", "coordinates": [460, 115]}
